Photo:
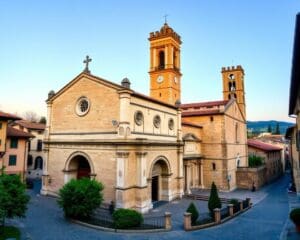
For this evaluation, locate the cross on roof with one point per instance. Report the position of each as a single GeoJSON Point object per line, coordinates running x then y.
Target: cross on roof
{"type": "Point", "coordinates": [87, 61]}
{"type": "Point", "coordinates": [165, 16]}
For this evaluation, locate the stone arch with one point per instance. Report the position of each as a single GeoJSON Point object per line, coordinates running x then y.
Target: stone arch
{"type": "Point", "coordinates": [38, 163]}
{"type": "Point", "coordinates": [160, 172]}
{"type": "Point", "coordinates": [78, 165]}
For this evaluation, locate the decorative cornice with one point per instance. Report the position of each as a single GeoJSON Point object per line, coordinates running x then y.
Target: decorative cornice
{"type": "Point", "coordinates": [122, 154]}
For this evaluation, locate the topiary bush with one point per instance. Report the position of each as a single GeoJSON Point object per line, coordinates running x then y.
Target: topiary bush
{"type": "Point", "coordinates": [127, 218]}
{"type": "Point", "coordinates": [295, 216]}
{"type": "Point", "coordinates": [214, 200]}
{"type": "Point", "coordinates": [79, 198]}
{"type": "Point", "coordinates": [193, 210]}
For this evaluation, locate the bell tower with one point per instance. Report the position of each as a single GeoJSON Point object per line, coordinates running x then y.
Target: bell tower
{"type": "Point", "coordinates": [233, 85]}
{"type": "Point", "coordinates": [165, 76]}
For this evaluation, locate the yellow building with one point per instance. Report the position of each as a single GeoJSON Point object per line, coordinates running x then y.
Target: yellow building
{"type": "Point", "coordinates": [143, 149]}
{"type": "Point", "coordinates": [13, 146]}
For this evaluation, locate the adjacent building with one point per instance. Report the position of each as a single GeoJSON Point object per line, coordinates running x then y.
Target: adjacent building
{"type": "Point", "coordinates": [35, 149]}
{"type": "Point", "coordinates": [294, 106]}
{"type": "Point", "coordinates": [13, 146]}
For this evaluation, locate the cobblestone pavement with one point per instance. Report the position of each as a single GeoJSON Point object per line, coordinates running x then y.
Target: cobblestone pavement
{"type": "Point", "coordinates": [266, 220]}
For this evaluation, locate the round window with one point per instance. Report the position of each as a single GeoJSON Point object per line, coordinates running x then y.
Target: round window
{"type": "Point", "coordinates": [138, 118]}
{"type": "Point", "coordinates": [156, 121]}
{"type": "Point", "coordinates": [171, 124]}
{"type": "Point", "coordinates": [82, 106]}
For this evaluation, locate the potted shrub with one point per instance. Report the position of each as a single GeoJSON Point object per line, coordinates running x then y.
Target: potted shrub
{"type": "Point", "coordinates": [295, 217]}
{"type": "Point", "coordinates": [193, 210]}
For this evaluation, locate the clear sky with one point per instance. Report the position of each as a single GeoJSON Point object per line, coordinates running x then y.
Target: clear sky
{"type": "Point", "coordinates": [43, 44]}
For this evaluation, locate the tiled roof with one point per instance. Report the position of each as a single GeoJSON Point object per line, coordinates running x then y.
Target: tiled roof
{"type": "Point", "coordinates": [31, 125]}
{"type": "Point", "coordinates": [263, 146]}
{"type": "Point", "coordinates": [204, 104]}
{"type": "Point", "coordinates": [140, 95]}
{"type": "Point", "coordinates": [201, 113]}
{"type": "Point", "coordinates": [191, 124]}
{"type": "Point", "coordinates": [12, 132]}
{"type": "Point", "coordinates": [8, 116]}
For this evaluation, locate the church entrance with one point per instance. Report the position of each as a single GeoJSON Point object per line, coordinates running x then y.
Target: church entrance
{"type": "Point", "coordinates": [80, 165]}
{"type": "Point", "coordinates": [154, 189]}
{"type": "Point", "coordinates": [160, 181]}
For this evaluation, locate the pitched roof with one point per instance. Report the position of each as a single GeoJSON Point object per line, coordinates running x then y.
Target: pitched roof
{"type": "Point", "coordinates": [31, 125]}
{"type": "Point", "coordinates": [204, 104]}
{"type": "Point", "coordinates": [204, 108]}
{"type": "Point", "coordinates": [191, 124]}
{"type": "Point", "coordinates": [8, 116]}
{"type": "Point", "coordinates": [263, 146]}
{"type": "Point", "coordinates": [12, 132]}
{"type": "Point", "coordinates": [109, 83]}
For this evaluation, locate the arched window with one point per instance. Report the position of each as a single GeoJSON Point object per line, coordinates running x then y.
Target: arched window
{"type": "Point", "coordinates": [161, 60]}
{"type": "Point", "coordinates": [213, 166]}
{"type": "Point", "coordinates": [174, 60]}
{"type": "Point", "coordinates": [234, 96]}
{"type": "Point", "coordinates": [29, 160]}
{"type": "Point", "coordinates": [229, 86]}
{"type": "Point", "coordinates": [229, 96]}
{"type": "Point", "coordinates": [236, 132]}
{"type": "Point", "coordinates": [38, 163]}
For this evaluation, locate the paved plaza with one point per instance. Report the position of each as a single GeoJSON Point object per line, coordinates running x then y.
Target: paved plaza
{"type": "Point", "coordinates": [268, 219]}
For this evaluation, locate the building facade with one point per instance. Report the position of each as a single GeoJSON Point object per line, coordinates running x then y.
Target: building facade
{"type": "Point", "coordinates": [14, 146]}
{"type": "Point", "coordinates": [36, 157]}
{"type": "Point", "coordinates": [144, 149]}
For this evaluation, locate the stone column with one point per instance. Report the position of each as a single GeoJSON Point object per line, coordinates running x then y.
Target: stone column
{"type": "Point", "coordinates": [122, 159]}
{"type": "Point", "coordinates": [187, 172]}
{"type": "Point", "coordinates": [201, 174]}
{"type": "Point", "coordinates": [230, 209]}
{"type": "Point", "coordinates": [154, 56]}
{"type": "Point", "coordinates": [217, 215]}
{"type": "Point", "coordinates": [187, 224]}
{"type": "Point", "coordinates": [168, 223]}
{"type": "Point", "coordinates": [166, 57]}
{"type": "Point", "coordinates": [124, 124]}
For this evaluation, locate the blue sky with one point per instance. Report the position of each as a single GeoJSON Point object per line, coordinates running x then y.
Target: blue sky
{"type": "Point", "coordinates": [43, 44]}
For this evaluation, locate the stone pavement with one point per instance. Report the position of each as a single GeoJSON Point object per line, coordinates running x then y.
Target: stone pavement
{"type": "Point", "coordinates": [266, 220]}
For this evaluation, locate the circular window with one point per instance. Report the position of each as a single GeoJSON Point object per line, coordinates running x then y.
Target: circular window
{"type": "Point", "coordinates": [82, 106]}
{"type": "Point", "coordinates": [156, 121]}
{"type": "Point", "coordinates": [171, 124]}
{"type": "Point", "coordinates": [138, 118]}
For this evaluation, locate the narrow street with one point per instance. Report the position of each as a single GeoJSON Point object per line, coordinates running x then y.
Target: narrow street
{"type": "Point", "coordinates": [266, 220]}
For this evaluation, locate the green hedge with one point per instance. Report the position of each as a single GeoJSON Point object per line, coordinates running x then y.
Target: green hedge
{"type": "Point", "coordinates": [127, 218]}
{"type": "Point", "coordinates": [295, 216]}
{"type": "Point", "coordinates": [214, 200]}
{"type": "Point", "coordinates": [255, 161]}
{"type": "Point", "coordinates": [79, 198]}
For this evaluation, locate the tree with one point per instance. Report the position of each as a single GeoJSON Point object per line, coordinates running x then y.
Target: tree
{"type": "Point", "coordinates": [79, 198]}
{"type": "Point", "coordinates": [269, 128]}
{"type": "Point", "coordinates": [214, 200]}
{"type": "Point", "coordinates": [255, 161]}
{"type": "Point", "coordinates": [193, 210]}
{"type": "Point", "coordinates": [13, 197]}
{"type": "Point", "coordinates": [277, 129]}
{"type": "Point", "coordinates": [43, 120]}
{"type": "Point", "coordinates": [31, 116]}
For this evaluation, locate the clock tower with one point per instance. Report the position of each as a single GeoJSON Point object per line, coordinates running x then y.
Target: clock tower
{"type": "Point", "coordinates": [165, 76]}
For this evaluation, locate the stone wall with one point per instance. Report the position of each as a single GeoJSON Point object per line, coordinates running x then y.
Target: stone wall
{"type": "Point", "coordinates": [247, 176]}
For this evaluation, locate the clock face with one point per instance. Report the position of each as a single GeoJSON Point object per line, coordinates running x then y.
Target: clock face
{"type": "Point", "coordinates": [160, 79]}
{"type": "Point", "coordinates": [175, 80]}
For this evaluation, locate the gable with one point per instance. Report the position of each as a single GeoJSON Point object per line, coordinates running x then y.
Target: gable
{"type": "Point", "coordinates": [103, 101]}
{"type": "Point", "coordinates": [233, 110]}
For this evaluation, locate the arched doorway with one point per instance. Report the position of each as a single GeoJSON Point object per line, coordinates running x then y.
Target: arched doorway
{"type": "Point", "coordinates": [159, 181]}
{"type": "Point", "coordinates": [80, 166]}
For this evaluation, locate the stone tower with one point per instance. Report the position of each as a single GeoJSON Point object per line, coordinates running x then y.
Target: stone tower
{"type": "Point", "coordinates": [164, 70]}
{"type": "Point", "coordinates": [233, 86]}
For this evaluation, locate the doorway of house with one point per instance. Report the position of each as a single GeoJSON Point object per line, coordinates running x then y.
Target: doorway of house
{"type": "Point", "coordinates": [155, 188]}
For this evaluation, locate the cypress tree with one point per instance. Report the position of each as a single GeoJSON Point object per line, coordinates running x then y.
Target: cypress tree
{"type": "Point", "coordinates": [193, 210]}
{"type": "Point", "coordinates": [214, 200]}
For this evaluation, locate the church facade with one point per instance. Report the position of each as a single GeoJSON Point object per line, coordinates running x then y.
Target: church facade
{"type": "Point", "coordinates": [145, 148]}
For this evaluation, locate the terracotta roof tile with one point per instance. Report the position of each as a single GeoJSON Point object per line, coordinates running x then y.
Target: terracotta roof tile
{"type": "Point", "coordinates": [204, 104]}
{"type": "Point", "coordinates": [12, 132]}
{"type": "Point", "coordinates": [31, 125]}
{"type": "Point", "coordinates": [191, 124]}
{"type": "Point", "coordinates": [263, 146]}
{"type": "Point", "coordinates": [201, 112]}
{"type": "Point", "coordinates": [8, 116]}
